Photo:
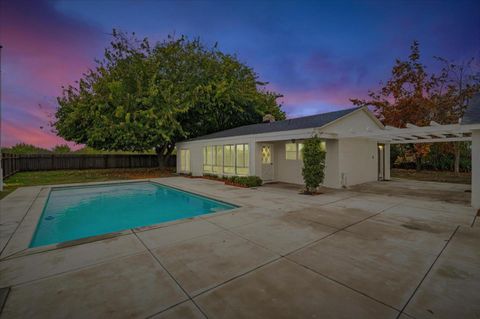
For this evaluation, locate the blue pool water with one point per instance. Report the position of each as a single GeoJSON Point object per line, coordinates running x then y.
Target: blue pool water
{"type": "Point", "coordinates": [77, 212]}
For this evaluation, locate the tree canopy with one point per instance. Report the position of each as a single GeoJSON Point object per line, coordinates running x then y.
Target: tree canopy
{"type": "Point", "coordinates": [142, 96]}
{"type": "Point", "coordinates": [413, 95]}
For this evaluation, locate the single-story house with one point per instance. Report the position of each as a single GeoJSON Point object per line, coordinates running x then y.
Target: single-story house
{"type": "Point", "coordinates": [272, 150]}
{"type": "Point", "coordinates": [357, 147]}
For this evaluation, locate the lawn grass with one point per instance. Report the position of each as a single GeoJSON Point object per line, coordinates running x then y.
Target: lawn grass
{"type": "Point", "coordinates": [432, 176]}
{"type": "Point", "coordinates": [78, 176]}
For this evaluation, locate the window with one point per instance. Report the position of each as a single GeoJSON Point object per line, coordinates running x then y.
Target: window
{"type": "Point", "coordinates": [218, 159]}
{"type": "Point", "coordinates": [185, 160]}
{"type": "Point", "coordinates": [242, 156]}
{"type": "Point", "coordinates": [229, 159]}
{"type": "Point", "coordinates": [293, 151]}
{"type": "Point", "coordinates": [208, 159]}
{"type": "Point", "coordinates": [266, 154]}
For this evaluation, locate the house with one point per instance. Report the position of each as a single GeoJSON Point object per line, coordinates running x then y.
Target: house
{"type": "Point", "coordinates": [357, 147]}
{"type": "Point", "coordinates": [273, 150]}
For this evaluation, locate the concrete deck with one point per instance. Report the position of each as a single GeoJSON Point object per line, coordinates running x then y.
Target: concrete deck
{"type": "Point", "coordinates": [363, 253]}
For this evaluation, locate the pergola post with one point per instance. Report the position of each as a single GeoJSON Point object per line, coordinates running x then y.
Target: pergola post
{"type": "Point", "coordinates": [476, 169]}
{"type": "Point", "coordinates": [387, 161]}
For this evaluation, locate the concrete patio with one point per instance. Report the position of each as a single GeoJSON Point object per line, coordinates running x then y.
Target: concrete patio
{"type": "Point", "coordinates": [359, 253]}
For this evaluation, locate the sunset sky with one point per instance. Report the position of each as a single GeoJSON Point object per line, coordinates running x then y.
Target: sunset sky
{"type": "Point", "coordinates": [318, 54]}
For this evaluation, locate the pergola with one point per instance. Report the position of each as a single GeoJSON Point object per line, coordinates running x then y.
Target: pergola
{"type": "Point", "coordinates": [468, 129]}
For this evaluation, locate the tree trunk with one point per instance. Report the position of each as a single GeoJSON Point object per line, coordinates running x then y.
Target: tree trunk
{"type": "Point", "coordinates": [456, 147]}
{"type": "Point", "coordinates": [418, 160]}
{"type": "Point", "coordinates": [160, 157]}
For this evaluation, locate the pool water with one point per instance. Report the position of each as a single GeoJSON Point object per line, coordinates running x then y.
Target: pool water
{"type": "Point", "coordinates": [78, 212]}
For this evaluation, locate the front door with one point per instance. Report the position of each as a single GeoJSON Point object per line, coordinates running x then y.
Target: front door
{"type": "Point", "coordinates": [268, 171]}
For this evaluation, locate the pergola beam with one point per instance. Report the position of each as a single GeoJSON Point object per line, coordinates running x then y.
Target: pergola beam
{"type": "Point", "coordinates": [433, 140]}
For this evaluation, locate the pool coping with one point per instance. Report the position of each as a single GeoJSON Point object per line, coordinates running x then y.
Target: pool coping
{"type": "Point", "coordinates": [19, 242]}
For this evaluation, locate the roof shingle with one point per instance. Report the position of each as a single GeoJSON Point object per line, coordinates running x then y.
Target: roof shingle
{"type": "Point", "coordinates": [311, 121]}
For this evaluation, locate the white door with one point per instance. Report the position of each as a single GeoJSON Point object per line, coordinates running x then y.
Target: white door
{"type": "Point", "coordinates": [268, 172]}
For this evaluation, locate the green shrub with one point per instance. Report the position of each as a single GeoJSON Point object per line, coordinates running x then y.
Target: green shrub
{"type": "Point", "coordinates": [212, 176]}
{"type": "Point", "coordinates": [313, 163]}
{"type": "Point", "coordinates": [248, 181]}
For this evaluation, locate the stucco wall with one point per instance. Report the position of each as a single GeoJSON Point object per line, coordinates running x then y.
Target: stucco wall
{"type": "Point", "coordinates": [289, 171]}
{"type": "Point", "coordinates": [332, 175]}
{"type": "Point", "coordinates": [354, 123]}
{"type": "Point", "coordinates": [358, 161]}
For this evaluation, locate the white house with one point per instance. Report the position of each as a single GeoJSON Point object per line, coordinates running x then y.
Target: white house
{"type": "Point", "coordinates": [357, 147]}
{"type": "Point", "coordinates": [273, 150]}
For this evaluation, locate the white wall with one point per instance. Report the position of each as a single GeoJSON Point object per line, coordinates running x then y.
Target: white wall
{"type": "Point", "coordinates": [357, 122]}
{"type": "Point", "coordinates": [332, 174]}
{"type": "Point", "coordinates": [358, 161]}
{"type": "Point", "coordinates": [288, 171]}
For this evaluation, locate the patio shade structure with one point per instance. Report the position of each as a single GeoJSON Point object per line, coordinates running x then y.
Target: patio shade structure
{"type": "Point", "coordinates": [468, 129]}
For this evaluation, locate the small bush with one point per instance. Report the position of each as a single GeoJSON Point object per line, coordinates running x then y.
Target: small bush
{"type": "Point", "coordinates": [313, 164]}
{"type": "Point", "coordinates": [210, 176]}
{"type": "Point", "coordinates": [247, 181]}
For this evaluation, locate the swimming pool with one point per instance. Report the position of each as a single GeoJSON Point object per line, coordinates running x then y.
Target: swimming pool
{"type": "Point", "coordinates": [77, 212]}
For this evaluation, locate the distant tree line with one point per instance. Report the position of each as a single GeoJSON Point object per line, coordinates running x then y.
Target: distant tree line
{"type": "Point", "coordinates": [23, 148]}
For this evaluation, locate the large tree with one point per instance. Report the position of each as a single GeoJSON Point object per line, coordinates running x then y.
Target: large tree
{"type": "Point", "coordinates": [412, 95]}
{"type": "Point", "coordinates": [142, 96]}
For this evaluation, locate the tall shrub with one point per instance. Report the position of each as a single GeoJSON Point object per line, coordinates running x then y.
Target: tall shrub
{"type": "Point", "coordinates": [313, 163]}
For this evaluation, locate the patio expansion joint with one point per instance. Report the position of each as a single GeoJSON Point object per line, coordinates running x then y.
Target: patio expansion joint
{"type": "Point", "coordinates": [21, 221]}
{"type": "Point", "coordinates": [74, 269]}
{"type": "Point", "coordinates": [428, 271]}
{"type": "Point", "coordinates": [337, 231]}
{"type": "Point", "coordinates": [173, 278]}
{"type": "Point", "coordinates": [345, 285]}
{"type": "Point", "coordinates": [475, 218]}
{"type": "Point", "coordinates": [19, 254]}
{"type": "Point", "coordinates": [4, 293]}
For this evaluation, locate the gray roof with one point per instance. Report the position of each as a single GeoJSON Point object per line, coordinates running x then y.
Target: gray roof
{"type": "Point", "coordinates": [472, 113]}
{"type": "Point", "coordinates": [311, 121]}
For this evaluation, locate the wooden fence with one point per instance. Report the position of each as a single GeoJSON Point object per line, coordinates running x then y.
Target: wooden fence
{"type": "Point", "coordinates": [13, 163]}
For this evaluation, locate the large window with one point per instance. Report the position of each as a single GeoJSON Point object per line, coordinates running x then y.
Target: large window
{"type": "Point", "coordinates": [185, 160]}
{"type": "Point", "coordinates": [293, 151]}
{"type": "Point", "coordinates": [208, 159]}
{"type": "Point", "coordinates": [229, 159]}
{"type": "Point", "coordinates": [242, 159]}
{"type": "Point", "coordinates": [226, 159]}
{"type": "Point", "coordinates": [218, 159]}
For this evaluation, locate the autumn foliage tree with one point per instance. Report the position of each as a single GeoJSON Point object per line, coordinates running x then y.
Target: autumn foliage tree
{"type": "Point", "coordinates": [412, 95]}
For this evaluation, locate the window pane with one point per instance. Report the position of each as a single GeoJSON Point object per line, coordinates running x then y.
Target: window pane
{"type": "Point", "coordinates": [185, 160]}
{"type": "Point", "coordinates": [290, 147]}
{"type": "Point", "coordinates": [266, 155]}
{"type": "Point", "coordinates": [247, 155]}
{"type": "Point", "coordinates": [242, 171]}
{"type": "Point", "coordinates": [291, 151]}
{"type": "Point", "coordinates": [229, 159]}
{"type": "Point", "coordinates": [240, 156]}
{"type": "Point", "coordinates": [300, 153]}
{"type": "Point", "coordinates": [323, 146]}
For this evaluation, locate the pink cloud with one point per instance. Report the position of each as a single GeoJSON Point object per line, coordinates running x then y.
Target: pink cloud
{"type": "Point", "coordinates": [13, 133]}
{"type": "Point", "coordinates": [43, 50]}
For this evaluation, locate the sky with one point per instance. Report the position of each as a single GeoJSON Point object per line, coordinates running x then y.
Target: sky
{"type": "Point", "coordinates": [318, 54]}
